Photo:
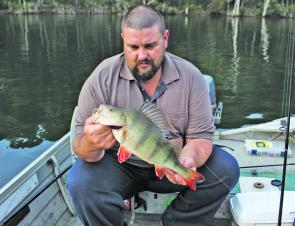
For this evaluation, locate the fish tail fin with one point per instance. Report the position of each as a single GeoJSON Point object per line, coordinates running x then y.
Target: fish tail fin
{"type": "Point", "coordinates": [193, 178]}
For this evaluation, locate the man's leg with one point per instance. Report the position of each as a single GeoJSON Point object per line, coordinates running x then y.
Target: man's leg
{"type": "Point", "coordinates": [198, 207]}
{"type": "Point", "coordinates": [98, 190]}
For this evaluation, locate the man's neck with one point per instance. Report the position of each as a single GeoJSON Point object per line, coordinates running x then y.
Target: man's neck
{"type": "Point", "coordinates": [150, 86]}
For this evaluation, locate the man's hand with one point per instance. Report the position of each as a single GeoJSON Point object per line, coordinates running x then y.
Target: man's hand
{"type": "Point", "coordinates": [193, 155]}
{"type": "Point", "coordinates": [95, 139]}
{"type": "Point", "coordinates": [98, 136]}
{"type": "Point", "coordinates": [176, 178]}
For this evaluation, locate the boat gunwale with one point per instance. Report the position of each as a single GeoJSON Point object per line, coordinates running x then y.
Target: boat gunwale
{"type": "Point", "coordinates": [32, 168]}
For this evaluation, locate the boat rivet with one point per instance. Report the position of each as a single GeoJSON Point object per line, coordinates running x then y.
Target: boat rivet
{"type": "Point", "coordinates": [254, 172]}
{"type": "Point", "coordinates": [258, 185]}
{"type": "Point", "coordinates": [276, 182]}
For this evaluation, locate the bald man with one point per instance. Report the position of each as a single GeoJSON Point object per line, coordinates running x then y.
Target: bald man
{"type": "Point", "coordinates": [145, 72]}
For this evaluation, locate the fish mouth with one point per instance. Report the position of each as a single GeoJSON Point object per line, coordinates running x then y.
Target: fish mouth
{"type": "Point", "coordinates": [116, 127]}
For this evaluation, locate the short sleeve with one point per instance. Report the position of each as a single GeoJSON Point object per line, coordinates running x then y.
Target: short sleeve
{"type": "Point", "coordinates": [200, 118]}
{"type": "Point", "coordinates": [93, 93]}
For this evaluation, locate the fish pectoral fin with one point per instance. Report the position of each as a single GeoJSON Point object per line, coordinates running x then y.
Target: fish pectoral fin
{"type": "Point", "coordinates": [123, 154]}
{"type": "Point", "coordinates": [160, 172]}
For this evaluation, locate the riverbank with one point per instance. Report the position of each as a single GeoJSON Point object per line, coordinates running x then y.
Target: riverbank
{"type": "Point", "coordinates": [73, 11]}
{"type": "Point", "coordinates": [274, 10]}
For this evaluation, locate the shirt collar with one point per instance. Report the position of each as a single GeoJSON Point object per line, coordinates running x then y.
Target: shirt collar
{"type": "Point", "coordinates": [125, 72]}
{"type": "Point", "coordinates": [170, 73]}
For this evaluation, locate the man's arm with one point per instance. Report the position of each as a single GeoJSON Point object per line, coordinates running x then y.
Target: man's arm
{"type": "Point", "coordinates": [193, 155]}
{"type": "Point", "coordinates": [90, 145]}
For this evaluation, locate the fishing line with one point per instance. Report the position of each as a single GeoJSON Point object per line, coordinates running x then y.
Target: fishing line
{"type": "Point", "coordinates": [288, 71]}
{"type": "Point", "coordinates": [229, 188]}
{"type": "Point", "coordinates": [288, 124]}
{"type": "Point", "coordinates": [286, 89]}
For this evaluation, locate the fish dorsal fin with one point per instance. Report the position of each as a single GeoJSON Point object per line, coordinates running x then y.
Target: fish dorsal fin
{"type": "Point", "coordinates": [154, 114]}
{"type": "Point", "coordinates": [177, 145]}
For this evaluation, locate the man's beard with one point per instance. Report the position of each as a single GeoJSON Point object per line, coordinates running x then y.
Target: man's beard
{"type": "Point", "coordinates": [146, 75]}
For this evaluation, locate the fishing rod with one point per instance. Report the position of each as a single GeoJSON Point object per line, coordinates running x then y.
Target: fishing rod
{"type": "Point", "coordinates": [287, 137]}
{"type": "Point", "coordinates": [23, 209]}
{"type": "Point", "coordinates": [268, 165]}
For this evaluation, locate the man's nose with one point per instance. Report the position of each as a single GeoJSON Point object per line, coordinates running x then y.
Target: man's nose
{"type": "Point", "coordinates": [142, 54]}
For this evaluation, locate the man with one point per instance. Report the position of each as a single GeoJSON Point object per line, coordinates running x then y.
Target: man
{"type": "Point", "coordinates": [145, 72]}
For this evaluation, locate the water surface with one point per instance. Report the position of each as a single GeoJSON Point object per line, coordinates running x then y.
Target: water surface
{"type": "Point", "coordinates": [44, 61]}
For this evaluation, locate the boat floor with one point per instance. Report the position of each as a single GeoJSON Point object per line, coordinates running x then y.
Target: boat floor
{"type": "Point", "coordinates": [147, 220]}
{"type": "Point", "coordinates": [51, 206]}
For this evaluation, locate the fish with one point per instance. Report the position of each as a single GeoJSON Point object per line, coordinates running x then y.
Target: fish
{"type": "Point", "coordinates": [144, 133]}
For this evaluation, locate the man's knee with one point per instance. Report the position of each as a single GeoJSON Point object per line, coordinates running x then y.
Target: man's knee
{"type": "Point", "coordinates": [95, 204]}
{"type": "Point", "coordinates": [76, 183]}
{"type": "Point", "coordinates": [227, 165]}
{"type": "Point", "coordinates": [221, 172]}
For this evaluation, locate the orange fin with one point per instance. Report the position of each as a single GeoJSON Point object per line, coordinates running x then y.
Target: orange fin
{"type": "Point", "coordinates": [193, 178]}
{"type": "Point", "coordinates": [123, 154]}
{"type": "Point", "coordinates": [160, 172]}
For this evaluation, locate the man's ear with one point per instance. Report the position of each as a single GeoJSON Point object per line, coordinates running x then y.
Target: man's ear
{"type": "Point", "coordinates": [166, 38]}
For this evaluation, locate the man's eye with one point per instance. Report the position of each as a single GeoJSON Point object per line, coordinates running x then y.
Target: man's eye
{"type": "Point", "coordinates": [149, 46]}
{"type": "Point", "coordinates": [133, 47]}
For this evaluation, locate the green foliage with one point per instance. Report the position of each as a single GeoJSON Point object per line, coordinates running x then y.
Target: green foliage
{"type": "Point", "coordinates": [3, 4]}
{"type": "Point", "coordinates": [168, 9]}
{"type": "Point", "coordinates": [216, 6]}
{"type": "Point", "coordinates": [253, 9]}
{"type": "Point", "coordinates": [14, 5]}
{"type": "Point", "coordinates": [194, 7]}
{"type": "Point", "coordinates": [282, 10]}
{"type": "Point", "coordinates": [247, 7]}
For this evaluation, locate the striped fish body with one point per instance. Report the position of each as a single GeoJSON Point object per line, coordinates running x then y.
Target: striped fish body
{"type": "Point", "coordinates": [140, 136]}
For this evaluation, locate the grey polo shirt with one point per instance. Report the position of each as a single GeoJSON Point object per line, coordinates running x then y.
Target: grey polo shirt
{"type": "Point", "coordinates": [185, 103]}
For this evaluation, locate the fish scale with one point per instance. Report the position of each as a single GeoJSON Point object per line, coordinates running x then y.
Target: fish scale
{"type": "Point", "coordinates": [142, 133]}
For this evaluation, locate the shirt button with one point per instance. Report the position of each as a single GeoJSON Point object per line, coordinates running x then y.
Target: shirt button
{"type": "Point", "coordinates": [147, 100]}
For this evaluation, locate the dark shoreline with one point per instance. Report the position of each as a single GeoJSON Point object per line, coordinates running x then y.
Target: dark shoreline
{"type": "Point", "coordinates": [96, 12]}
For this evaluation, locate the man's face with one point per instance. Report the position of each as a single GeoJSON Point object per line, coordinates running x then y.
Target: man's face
{"type": "Point", "coordinates": [144, 50]}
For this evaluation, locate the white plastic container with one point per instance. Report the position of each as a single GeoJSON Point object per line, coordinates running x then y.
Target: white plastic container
{"type": "Point", "coordinates": [262, 208]}
{"type": "Point", "coordinates": [266, 148]}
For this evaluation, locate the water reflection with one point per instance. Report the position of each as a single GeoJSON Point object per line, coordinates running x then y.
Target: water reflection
{"type": "Point", "coordinates": [44, 60]}
{"type": "Point", "coordinates": [235, 59]}
{"type": "Point", "coordinates": [186, 21]}
{"type": "Point", "coordinates": [43, 65]}
{"type": "Point", "coordinates": [253, 43]}
{"type": "Point", "coordinates": [264, 40]}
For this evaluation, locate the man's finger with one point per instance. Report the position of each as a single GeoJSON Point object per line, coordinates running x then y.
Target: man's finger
{"type": "Point", "coordinates": [180, 179]}
{"type": "Point", "coordinates": [97, 129]}
{"type": "Point", "coordinates": [188, 163]}
{"type": "Point", "coordinates": [90, 121]}
{"type": "Point", "coordinates": [170, 175]}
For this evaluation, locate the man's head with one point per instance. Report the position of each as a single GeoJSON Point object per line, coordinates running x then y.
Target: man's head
{"type": "Point", "coordinates": [145, 40]}
{"type": "Point", "coordinates": [143, 16]}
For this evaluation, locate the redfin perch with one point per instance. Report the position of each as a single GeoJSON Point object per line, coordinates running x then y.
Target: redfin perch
{"type": "Point", "coordinates": [143, 133]}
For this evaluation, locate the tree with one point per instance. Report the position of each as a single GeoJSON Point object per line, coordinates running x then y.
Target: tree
{"type": "Point", "coordinates": [265, 6]}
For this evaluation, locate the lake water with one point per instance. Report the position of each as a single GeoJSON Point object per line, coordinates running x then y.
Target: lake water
{"type": "Point", "coordinates": [44, 61]}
